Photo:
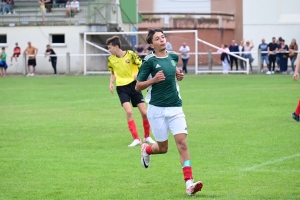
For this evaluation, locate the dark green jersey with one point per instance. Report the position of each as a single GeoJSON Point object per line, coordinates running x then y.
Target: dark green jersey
{"type": "Point", "coordinates": [164, 93]}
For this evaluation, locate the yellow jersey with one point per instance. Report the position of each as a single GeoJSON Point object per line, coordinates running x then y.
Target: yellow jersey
{"type": "Point", "coordinates": [124, 68]}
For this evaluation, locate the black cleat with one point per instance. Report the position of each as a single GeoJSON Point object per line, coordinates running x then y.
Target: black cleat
{"type": "Point", "coordinates": [295, 117]}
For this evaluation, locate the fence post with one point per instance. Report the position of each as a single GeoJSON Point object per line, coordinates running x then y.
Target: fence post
{"type": "Point", "coordinates": [25, 64]}
{"type": "Point", "coordinates": [258, 61]}
{"type": "Point", "coordinates": [209, 60]}
{"type": "Point", "coordinates": [67, 63]}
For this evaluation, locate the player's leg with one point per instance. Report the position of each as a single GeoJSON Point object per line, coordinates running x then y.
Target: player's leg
{"type": "Point", "coordinates": [124, 96]}
{"type": "Point", "coordinates": [296, 114]}
{"type": "Point", "coordinates": [137, 100]}
{"type": "Point", "coordinates": [160, 131]}
{"type": "Point", "coordinates": [178, 127]}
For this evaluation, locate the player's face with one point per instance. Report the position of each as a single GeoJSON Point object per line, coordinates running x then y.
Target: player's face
{"type": "Point", "coordinates": [112, 49]}
{"type": "Point", "coordinates": [159, 41]}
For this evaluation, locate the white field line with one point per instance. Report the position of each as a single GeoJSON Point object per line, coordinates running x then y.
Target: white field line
{"type": "Point", "coordinates": [271, 162]}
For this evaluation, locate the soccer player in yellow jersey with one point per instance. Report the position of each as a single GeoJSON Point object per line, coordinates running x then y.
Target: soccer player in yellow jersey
{"type": "Point", "coordinates": [124, 66]}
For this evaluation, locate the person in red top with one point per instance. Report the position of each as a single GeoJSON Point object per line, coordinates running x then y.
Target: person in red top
{"type": "Point", "coordinates": [17, 51]}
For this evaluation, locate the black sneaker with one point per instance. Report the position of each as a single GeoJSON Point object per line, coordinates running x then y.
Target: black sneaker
{"type": "Point", "coordinates": [295, 117]}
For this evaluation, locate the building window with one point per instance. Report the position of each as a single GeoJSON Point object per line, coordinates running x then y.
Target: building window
{"type": "Point", "coordinates": [3, 39]}
{"type": "Point", "coordinates": [58, 40]}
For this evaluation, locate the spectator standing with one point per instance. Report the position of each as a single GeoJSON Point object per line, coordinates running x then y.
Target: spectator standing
{"type": "Point", "coordinates": [3, 65]}
{"type": "Point", "coordinates": [241, 50]}
{"type": "Point", "coordinates": [247, 53]}
{"type": "Point", "coordinates": [233, 48]}
{"type": "Point", "coordinates": [169, 46]}
{"type": "Point", "coordinates": [184, 50]}
{"type": "Point", "coordinates": [52, 59]}
{"type": "Point", "coordinates": [43, 9]}
{"type": "Point", "coordinates": [272, 52]}
{"type": "Point", "coordinates": [75, 7]}
{"type": "Point", "coordinates": [283, 57]}
{"type": "Point", "coordinates": [278, 55]}
{"type": "Point", "coordinates": [293, 48]}
{"type": "Point", "coordinates": [17, 51]}
{"type": "Point", "coordinates": [224, 57]}
{"type": "Point", "coordinates": [264, 56]}
{"type": "Point", "coordinates": [31, 51]}
{"type": "Point", "coordinates": [140, 51]}
{"type": "Point", "coordinates": [48, 4]}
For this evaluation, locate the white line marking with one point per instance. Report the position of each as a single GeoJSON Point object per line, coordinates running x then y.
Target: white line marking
{"type": "Point", "coordinates": [271, 162]}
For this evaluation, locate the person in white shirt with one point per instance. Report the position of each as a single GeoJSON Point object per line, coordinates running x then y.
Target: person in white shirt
{"type": "Point", "coordinates": [184, 50]}
{"type": "Point", "coordinates": [75, 6]}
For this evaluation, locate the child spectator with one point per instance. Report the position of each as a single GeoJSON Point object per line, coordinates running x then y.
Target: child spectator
{"type": "Point", "coordinates": [8, 7]}
{"type": "Point", "coordinates": [3, 65]}
{"type": "Point", "coordinates": [16, 54]}
{"type": "Point", "coordinates": [43, 9]}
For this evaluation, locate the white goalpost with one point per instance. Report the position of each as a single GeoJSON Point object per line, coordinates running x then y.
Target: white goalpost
{"type": "Point", "coordinates": [196, 52]}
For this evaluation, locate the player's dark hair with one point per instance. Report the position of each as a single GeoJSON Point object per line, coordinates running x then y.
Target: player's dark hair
{"type": "Point", "coordinates": [3, 48]}
{"type": "Point", "coordinates": [151, 32]}
{"type": "Point", "coordinates": [114, 41]}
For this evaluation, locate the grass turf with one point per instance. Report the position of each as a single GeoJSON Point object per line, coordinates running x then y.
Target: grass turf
{"type": "Point", "coordinates": [66, 137]}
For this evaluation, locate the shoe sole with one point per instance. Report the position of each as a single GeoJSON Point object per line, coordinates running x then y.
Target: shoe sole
{"type": "Point", "coordinates": [142, 157]}
{"type": "Point", "coordinates": [197, 187]}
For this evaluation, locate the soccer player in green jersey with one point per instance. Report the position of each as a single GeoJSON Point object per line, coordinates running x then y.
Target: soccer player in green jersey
{"type": "Point", "coordinates": [158, 73]}
{"type": "Point", "coordinates": [123, 66]}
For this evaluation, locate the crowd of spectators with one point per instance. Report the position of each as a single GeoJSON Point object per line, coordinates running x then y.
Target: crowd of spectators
{"type": "Point", "coordinates": [274, 54]}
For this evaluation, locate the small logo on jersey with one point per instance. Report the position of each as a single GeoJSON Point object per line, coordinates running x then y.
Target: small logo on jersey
{"type": "Point", "coordinates": [127, 61]}
{"type": "Point", "coordinates": [142, 100]}
{"type": "Point", "coordinates": [157, 66]}
{"type": "Point", "coordinates": [185, 128]}
{"type": "Point", "coordinates": [173, 63]}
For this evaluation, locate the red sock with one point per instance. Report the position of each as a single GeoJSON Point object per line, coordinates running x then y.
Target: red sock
{"type": "Point", "coordinates": [149, 150]}
{"type": "Point", "coordinates": [146, 126]}
{"type": "Point", "coordinates": [297, 112]}
{"type": "Point", "coordinates": [187, 173]}
{"type": "Point", "coordinates": [132, 128]}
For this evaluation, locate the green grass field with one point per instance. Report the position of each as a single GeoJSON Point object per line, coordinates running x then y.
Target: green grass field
{"type": "Point", "coordinates": [66, 137]}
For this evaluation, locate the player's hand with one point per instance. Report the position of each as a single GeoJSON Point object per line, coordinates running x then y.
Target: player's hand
{"type": "Point", "coordinates": [179, 75]}
{"type": "Point", "coordinates": [111, 87]}
{"type": "Point", "coordinates": [159, 76]}
{"type": "Point", "coordinates": [295, 76]}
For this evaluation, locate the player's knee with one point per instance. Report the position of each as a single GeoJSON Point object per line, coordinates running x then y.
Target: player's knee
{"type": "Point", "coordinates": [129, 113]}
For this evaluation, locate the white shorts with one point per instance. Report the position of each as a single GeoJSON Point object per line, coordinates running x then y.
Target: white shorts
{"type": "Point", "coordinates": [163, 119]}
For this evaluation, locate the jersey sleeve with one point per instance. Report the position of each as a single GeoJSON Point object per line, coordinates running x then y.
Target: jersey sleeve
{"type": "Point", "coordinates": [144, 71]}
{"type": "Point", "coordinates": [136, 59]}
{"type": "Point", "coordinates": [110, 68]}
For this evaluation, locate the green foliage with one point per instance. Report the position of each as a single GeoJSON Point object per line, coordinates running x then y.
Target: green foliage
{"type": "Point", "coordinates": [66, 137]}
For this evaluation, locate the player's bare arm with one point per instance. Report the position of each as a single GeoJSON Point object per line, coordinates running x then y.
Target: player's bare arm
{"type": "Point", "coordinates": [141, 85]}
{"type": "Point", "coordinates": [296, 73]}
{"type": "Point", "coordinates": [111, 82]}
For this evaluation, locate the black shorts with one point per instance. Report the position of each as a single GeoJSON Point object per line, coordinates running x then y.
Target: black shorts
{"type": "Point", "coordinates": [127, 93]}
{"type": "Point", "coordinates": [31, 62]}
